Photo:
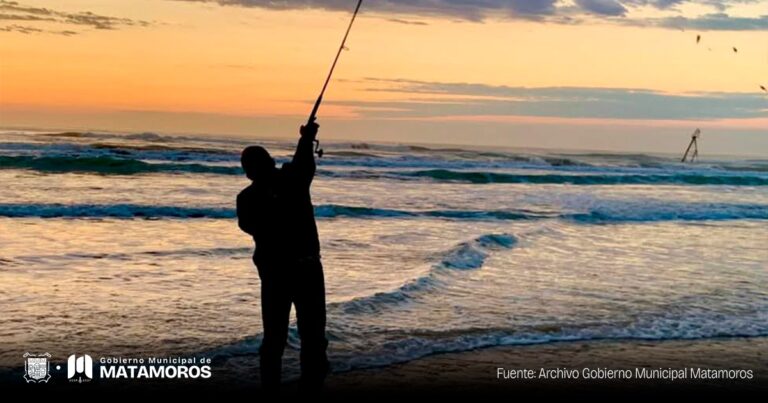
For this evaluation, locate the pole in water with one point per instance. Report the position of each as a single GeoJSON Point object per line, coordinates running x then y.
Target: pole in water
{"type": "Point", "coordinates": [313, 115]}
{"type": "Point", "coordinates": [693, 144]}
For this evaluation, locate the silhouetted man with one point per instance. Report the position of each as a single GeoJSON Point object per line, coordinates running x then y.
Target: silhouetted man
{"type": "Point", "coordinates": [276, 209]}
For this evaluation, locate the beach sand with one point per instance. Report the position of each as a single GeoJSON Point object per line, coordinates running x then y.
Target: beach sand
{"type": "Point", "coordinates": [475, 372]}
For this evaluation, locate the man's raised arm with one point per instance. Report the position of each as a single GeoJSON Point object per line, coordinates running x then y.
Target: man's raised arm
{"type": "Point", "coordinates": [303, 163]}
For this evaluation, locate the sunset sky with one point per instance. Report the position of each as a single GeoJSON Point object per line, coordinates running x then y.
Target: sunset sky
{"type": "Point", "coordinates": [589, 74]}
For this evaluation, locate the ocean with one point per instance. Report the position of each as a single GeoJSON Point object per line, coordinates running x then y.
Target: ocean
{"type": "Point", "coordinates": [126, 245]}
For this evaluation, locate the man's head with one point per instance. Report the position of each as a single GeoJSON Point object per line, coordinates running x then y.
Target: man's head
{"type": "Point", "coordinates": [257, 162]}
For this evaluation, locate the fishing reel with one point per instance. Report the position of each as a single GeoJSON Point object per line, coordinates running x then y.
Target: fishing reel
{"type": "Point", "coordinates": [312, 119]}
{"type": "Point", "coordinates": [319, 151]}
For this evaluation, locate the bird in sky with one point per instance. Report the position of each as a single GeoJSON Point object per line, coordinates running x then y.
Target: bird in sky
{"type": "Point", "coordinates": [735, 50]}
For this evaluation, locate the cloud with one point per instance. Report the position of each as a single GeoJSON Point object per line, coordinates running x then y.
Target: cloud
{"type": "Point", "coordinates": [406, 22]}
{"type": "Point", "coordinates": [15, 11]}
{"type": "Point", "coordinates": [24, 17]}
{"type": "Point", "coordinates": [32, 30]}
{"type": "Point", "coordinates": [553, 11]}
{"type": "Point", "coordinates": [714, 22]}
{"type": "Point", "coordinates": [610, 6]}
{"type": "Point", "coordinates": [658, 4]}
{"type": "Point", "coordinates": [462, 9]}
{"type": "Point", "coordinates": [722, 5]}
{"type": "Point", "coordinates": [439, 100]}
{"type": "Point", "coordinates": [21, 29]}
{"type": "Point", "coordinates": [602, 7]}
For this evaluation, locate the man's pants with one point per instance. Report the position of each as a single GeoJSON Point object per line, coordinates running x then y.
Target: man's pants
{"type": "Point", "coordinates": [301, 284]}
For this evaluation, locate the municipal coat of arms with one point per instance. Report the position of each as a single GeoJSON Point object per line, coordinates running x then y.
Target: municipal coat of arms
{"type": "Point", "coordinates": [37, 367]}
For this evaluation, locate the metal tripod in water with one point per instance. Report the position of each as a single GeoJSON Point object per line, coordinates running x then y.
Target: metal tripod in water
{"type": "Point", "coordinates": [694, 144]}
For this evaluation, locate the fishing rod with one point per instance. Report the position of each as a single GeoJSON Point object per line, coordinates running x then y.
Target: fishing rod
{"type": "Point", "coordinates": [313, 115]}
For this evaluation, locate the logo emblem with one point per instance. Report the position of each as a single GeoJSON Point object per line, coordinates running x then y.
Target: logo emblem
{"type": "Point", "coordinates": [80, 369]}
{"type": "Point", "coordinates": [37, 368]}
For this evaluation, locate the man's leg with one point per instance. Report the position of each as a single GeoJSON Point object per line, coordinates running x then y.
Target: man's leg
{"type": "Point", "coordinates": [275, 312]}
{"type": "Point", "coordinates": [309, 298]}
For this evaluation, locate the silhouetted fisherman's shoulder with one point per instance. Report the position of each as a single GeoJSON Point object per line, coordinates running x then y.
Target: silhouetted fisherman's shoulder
{"type": "Point", "coordinates": [276, 209]}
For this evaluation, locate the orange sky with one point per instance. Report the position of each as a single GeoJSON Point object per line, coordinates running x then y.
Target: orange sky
{"type": "Point", "coordinates": [251, 62]}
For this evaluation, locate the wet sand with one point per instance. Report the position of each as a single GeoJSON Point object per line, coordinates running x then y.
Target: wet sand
{"type": "Point", "coordinates": [475, 372]}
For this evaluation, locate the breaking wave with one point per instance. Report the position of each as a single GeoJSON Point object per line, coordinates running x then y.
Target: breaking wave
{"type": "Point", "coordinates": [127, 211]}
{"type": "Point", "coordinates": [468, 255]}
{"type": "Point", "coordinates": [110, 154]}
{"type": "Point", "coordinates": [107, 166]}
{"type": "Point", "coordinates": [587, 179]}
{"type": "Point", "coordinates": [642, 211]}
{"type": "Point", "coordinates": [124, 211]}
